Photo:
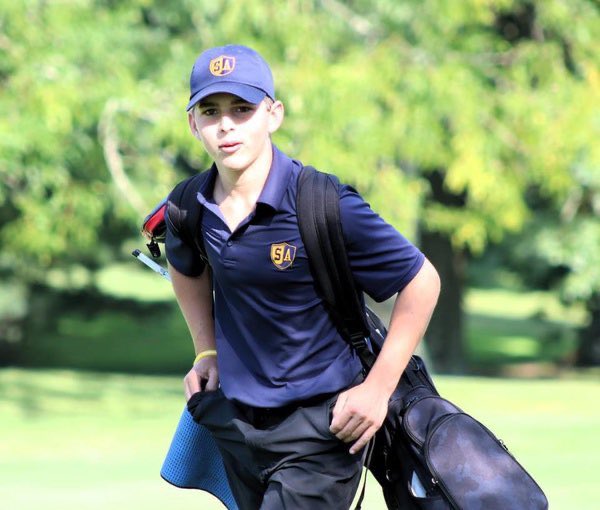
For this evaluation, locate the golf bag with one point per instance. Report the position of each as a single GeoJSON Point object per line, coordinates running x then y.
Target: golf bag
{"type": "Point", "coordinates": [428, 454]}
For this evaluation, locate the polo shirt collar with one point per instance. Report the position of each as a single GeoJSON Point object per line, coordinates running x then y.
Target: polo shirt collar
{"type": "Point", "coordinates": [205, 193]}
{"type": "Point", "coordinates": [277, 181]}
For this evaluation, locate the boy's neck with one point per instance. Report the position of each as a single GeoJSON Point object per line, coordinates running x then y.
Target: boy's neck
{"type": "Point", "coordinates": [236, 191]}
{"type": "Point", "coordinates": [246, 183]}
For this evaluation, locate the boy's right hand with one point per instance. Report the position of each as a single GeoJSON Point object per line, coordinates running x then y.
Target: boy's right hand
{"type": "Point", "coordinates": [203, 376]}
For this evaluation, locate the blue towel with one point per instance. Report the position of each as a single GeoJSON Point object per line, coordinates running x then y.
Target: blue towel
{"type": "Point", "coordinates": [194, 462]}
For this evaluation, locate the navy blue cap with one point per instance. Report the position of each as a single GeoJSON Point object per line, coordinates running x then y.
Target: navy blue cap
{"type": "Point", "coordinates": [232, 69]}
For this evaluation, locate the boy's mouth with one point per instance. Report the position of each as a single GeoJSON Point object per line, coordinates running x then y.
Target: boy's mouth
{"type": "Point", "coordinates": [229, 147]}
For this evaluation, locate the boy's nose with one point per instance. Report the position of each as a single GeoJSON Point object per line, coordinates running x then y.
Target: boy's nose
{"type": "Point", "coordinates": [226, 123]}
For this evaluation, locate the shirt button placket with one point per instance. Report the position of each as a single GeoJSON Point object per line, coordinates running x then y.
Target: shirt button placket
{"type": "Point", "coordinates": [228, 255]}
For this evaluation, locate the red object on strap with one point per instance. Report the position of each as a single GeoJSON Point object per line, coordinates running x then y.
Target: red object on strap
{"type": "Point", "coordinates": [154, 226]}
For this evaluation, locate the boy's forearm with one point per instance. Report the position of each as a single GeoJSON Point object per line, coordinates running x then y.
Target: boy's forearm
{"type": "Point", "coordinates": [194, 296]}
{"type": "Point", "coordinates": [410, 316]}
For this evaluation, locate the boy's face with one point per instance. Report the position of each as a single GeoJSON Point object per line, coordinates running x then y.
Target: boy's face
{"type": "Point", "coordinates": [235, 133]}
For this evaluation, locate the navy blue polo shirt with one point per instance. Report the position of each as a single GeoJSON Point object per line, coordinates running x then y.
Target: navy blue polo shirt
{"type": "Point", "coordinates": [275, 341]}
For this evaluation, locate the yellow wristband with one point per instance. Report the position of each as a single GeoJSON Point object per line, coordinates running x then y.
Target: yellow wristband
{"type": "Point", "coordinates": [204, 354]}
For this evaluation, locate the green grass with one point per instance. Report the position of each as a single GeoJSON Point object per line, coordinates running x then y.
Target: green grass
{"type": "Point", "coordinates": [91, 441]}
{"type": "Point", "coordinates": [77, 440]}
{"type": "Point", "coordinates": [138, 329]}
{"type": "Point", "coordinates": [505, 326]}
{"type": "Point", "coordinates": [136, 281]}
{"type": "Point", "coordinates": [116, 340]}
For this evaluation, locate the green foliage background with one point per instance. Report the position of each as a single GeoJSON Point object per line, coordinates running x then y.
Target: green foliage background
{"type": "Point", "coordinates": [380, 93]}
{"type": "Point", "coordinates": [474, 121]}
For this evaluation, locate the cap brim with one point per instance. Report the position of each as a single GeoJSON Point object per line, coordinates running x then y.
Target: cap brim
{"type": "Point", "coordinates": [248, 93]}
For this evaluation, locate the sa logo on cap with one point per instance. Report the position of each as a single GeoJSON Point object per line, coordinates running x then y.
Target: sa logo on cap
{"type": "Point", "coordinates": [282, 255]}
{"type": "Point", "coordinates": [222, 65]}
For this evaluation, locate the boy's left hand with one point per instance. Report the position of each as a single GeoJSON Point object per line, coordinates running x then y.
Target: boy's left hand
{"type": "Point", "coordinates": [358, 414]}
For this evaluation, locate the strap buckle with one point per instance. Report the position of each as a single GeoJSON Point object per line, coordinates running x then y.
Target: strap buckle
{"type": "Point", "coordinates": [358, 341]}
{"type": "Point", "coordinates": [153, 248]}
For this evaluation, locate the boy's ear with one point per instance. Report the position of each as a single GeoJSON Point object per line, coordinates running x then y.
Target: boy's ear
{"type": "Point", "coordinates": [192, 122]}
{"type": "Point", "coordinates": [276, 114]}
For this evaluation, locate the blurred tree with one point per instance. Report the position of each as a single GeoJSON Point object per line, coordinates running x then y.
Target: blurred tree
{"type": "Point", "coordinates": [563, 242]}
{"type": "Point", "coordinates": [444, 115]}
{"type": "Point", "coordinates": [70, 73]}
{"type": "Point", "coordinates": [554, 115]}
{"type": "Point", "coordinates": [486, 102]}
{"type": "Point", "coordinates": [76, 80]}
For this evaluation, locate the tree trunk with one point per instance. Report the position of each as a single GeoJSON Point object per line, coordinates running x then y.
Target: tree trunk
{"type": "Point", "coordinates": [588, 353]}
{"type": "Point", "coordinates": [444, 338]}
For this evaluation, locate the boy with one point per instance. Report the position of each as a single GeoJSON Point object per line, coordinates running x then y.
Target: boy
{"type": "Point", "coordinates": [280, 390]}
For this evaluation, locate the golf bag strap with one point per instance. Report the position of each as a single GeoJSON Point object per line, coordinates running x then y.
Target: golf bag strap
{"type": "Point", "coordinates": [318, 210]}
{"type": "Point", "coordinates": [184, 212]}
{"type": "Point", "coordinates": [369, 454]}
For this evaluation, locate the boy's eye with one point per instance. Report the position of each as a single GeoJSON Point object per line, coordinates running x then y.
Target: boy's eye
{"type": "Point", "coordinates": [243, 109]}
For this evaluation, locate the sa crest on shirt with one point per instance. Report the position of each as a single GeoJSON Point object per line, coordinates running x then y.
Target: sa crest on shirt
{"type": "Point", "coordinates": [282, 255]}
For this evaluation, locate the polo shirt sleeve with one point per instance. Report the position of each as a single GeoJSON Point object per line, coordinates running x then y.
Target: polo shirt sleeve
{"type": "Point", "coordinates": [183, 257]}
{"type": "Point", "coordinates": [383, 261]}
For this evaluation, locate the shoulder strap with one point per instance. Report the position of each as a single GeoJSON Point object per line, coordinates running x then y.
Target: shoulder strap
{"type": "Point", "coordinates": [317, 203]}
{"type": "Point", "coordinates": [184, 212]}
